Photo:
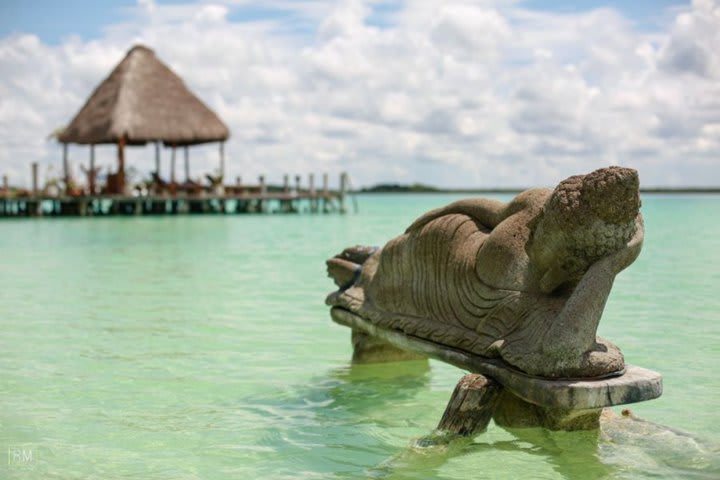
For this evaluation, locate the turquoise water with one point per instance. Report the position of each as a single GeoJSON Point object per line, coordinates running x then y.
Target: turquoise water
{"type": "Point", "coordinates": [200, 348]}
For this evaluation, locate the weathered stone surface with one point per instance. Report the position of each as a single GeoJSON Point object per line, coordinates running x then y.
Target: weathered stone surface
{"type": "Point", "coordinates": [344, 268]}
{"type": "Point", "coordinates": [636, 384]}
{"type": "Point", "coordinates": [514, 412]}
{"type": "Point", "coordinates": [525, 281]}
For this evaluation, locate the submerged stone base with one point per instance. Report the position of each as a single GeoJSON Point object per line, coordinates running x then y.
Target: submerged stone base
{"type": "Point", "coordinates": [514, 412]}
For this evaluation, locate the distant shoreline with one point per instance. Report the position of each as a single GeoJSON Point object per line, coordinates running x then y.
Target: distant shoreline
{"type": "Point", "coordinates": [429, 189]}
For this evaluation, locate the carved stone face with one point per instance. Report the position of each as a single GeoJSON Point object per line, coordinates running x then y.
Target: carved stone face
{"type": "Point", "coordinates": [547, 250]}
{"type": "Point", "coordinates": [541, 248]}
{"type": "Point", "coordinates": [586, 218]}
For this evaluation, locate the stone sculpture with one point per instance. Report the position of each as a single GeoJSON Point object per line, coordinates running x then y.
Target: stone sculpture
{"type": "Point", "coordinates": [525, 281]}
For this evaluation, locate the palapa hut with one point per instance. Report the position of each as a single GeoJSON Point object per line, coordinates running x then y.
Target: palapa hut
{"type": "Point", "coordinates": [142, 101]}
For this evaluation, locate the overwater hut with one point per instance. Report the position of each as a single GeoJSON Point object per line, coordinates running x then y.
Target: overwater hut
{"type": "Point", "coordinates": [142, 101]}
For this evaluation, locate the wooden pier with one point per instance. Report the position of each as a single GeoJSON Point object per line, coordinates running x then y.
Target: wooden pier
{"type": "Point", "coordinates": [152, 94]}
{"type": "Point", "coordinates": [233, 199]}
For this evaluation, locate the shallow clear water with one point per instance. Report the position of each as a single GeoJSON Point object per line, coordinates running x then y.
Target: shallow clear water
{"type": "Point", "coordinates": [200, 347]}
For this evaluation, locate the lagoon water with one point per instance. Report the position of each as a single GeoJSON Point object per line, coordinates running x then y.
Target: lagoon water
{"type": "Point", "coordinates": [200, 348]}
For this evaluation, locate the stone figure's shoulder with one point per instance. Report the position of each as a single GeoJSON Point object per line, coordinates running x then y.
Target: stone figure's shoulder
{"type": "Point", "coordinates": [519, 213]}
{"type": "Point", "coordinates": [531, 200]}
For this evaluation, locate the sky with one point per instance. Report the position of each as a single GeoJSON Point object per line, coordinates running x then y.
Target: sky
{"type": "Point", "coordinates": [453, 93]}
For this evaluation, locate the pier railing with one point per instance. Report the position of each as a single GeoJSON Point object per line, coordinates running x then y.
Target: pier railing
{"type": "Point", "coordinates": [171, 199]}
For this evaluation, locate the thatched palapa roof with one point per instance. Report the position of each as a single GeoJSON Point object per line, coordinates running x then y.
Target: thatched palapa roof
{"type": "Point", "coordinates": [144, 101]}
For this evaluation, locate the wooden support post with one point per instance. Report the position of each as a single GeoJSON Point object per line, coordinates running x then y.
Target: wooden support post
{"type": "Point", "coordinates": [326, 192]}
{"type": "Point", "coordinates": [343, 190]}
{"type": "Point", "coordinates": [34, 179]}
{"type": "Point", "coordinates": [172, 169]}
{"type": "Point", "coordinates": [121, 165]}
{"type": "Point", "coordinates": [157, 158]}
{"type": "Point", "coordinates": [221, 169]}
{"type": "Point", "coordinates": [239, 190]}
{"type": "Point", "coordinates": [297, 184]}
{"type": "Point", "coordinates": [311, 191]}
{"type": "Point", "coordinates": [6, 187]}
{"type": "Point", "coordinates": [471, 406]}
{"type": "Point", "coordinates": [66, 168]}
{"type": "Point", "coordinates": [263, 192]}
{"type": "Point", "coordinates": [91, 177]}
{"type": "Point", "coordinates": [286, 183]}
{"type": "Point", "coordinates": [187, 164]}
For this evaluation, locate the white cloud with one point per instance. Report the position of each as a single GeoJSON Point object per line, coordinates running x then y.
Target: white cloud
{"type": "Point", "coordinates": [694, 42]}
{"type": "Point", "coordinates": [455, 93]}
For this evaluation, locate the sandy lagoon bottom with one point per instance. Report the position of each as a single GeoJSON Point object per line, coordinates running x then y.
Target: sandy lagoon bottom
{"type": "Point", "coordinates": [199, 347]}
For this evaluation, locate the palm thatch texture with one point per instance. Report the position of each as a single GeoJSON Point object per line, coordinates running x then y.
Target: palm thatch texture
{"type": "Point", "coordinates": [142, 101]}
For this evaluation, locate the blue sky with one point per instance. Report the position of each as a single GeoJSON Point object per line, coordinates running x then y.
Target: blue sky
{"type": "Point", "coordinates": [457, 93]}
{"type": "Point", "coordinates": [54, 20]}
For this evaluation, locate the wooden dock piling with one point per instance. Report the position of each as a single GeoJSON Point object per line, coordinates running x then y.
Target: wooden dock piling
{"type": "Point", "coordinates": [93, 172]}
{"type": "Point", "coordinates": [172, 166]}
{"type": "Point", "coordinates": [157, 159]}
{"type": "Point", "coordinates": [187, 164]}
{"type": "Point", "coordinates": [66, 167]}
{"type": "Point", "coordinates": [325, 192]}
{"type": "Point", "coordinates": [311, 191]}
{"type": "Point", "coordinates": [221, 168]}
{"type": "Point", "coordinates": [263, 193]}
{"type": "Point", "coordinates": [121, 166]}
{"type": "Point", "coordinates": [343, 190]}
{"type": "Point", "coordinates": [34, 168]}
